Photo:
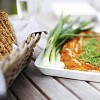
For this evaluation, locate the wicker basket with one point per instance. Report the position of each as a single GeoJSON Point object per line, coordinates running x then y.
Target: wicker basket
{"type": "Point", "coordinates": [13, 64]}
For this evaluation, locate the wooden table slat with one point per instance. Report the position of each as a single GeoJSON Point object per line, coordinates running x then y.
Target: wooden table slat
{"type": "Point", "coordinates": [9, 96]}
{"type": "Point", "coordinates": [81, 88]}
{"type": "Point", "coordinates": [96, 85]}
{"type": "Point", "coordinates": [53, 89]}
{"type": "Point", "coordinates": [24, 90]}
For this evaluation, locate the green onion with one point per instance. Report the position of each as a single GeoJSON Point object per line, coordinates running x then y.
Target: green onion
{"type": "Point", "coordinates": [57, 37]}
{"type": "Point", "coordinates": [50, 43]}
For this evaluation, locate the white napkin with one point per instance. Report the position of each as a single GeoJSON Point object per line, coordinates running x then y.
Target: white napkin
{"type": "Point", "coordinates": [22, 30]}
{"type": "Point", "coordinates": [2, 85]}
{"type": "Point", "coordinates": [2, 80]}
{"type": "Point", "coordinates": [24, 27]}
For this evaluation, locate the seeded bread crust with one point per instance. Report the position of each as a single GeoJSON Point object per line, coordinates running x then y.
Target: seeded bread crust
{"type": "Point", "coordinates": [7, 36]}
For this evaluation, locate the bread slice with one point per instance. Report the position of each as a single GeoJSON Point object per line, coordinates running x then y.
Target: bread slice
{"type": "Point", "coordinates": [7, 36]}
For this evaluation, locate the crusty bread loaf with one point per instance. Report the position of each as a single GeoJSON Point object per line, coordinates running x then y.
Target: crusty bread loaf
{"type": "Point", "coordinates": [7, 36]}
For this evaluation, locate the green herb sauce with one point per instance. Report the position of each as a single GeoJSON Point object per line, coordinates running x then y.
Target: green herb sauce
{"type": "Point", "coordinates": [91, 52]}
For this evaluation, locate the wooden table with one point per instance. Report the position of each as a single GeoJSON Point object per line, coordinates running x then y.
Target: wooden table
{"type": "Point", "coordinates": [31, 84]}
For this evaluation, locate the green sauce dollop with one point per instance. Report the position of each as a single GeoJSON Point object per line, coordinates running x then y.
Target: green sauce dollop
{"type": "Point", "coordinates": [91, 52]}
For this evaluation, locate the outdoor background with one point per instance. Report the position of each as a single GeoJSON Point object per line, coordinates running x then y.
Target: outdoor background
{"type": "Point", "coordinates": [10, 5]}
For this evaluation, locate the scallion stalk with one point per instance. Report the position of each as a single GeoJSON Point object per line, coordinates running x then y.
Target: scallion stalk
{"type": "Point", "coordinates": [58, 36]}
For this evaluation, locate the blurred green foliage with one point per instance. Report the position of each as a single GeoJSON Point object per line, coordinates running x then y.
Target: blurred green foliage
{"type": "Point", "coordinates": [9, 6]}
{"type": "Point", "coordinates": [24, 6]}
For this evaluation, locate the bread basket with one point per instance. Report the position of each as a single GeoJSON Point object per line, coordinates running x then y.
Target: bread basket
{"type": "Point", "coordinates": [13, 64]}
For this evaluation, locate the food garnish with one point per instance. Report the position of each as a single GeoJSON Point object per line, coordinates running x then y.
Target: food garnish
{"type": "Point", "coordinates": [82, 53]}
{"type": "Point", "coordinates": [91, 52]}
{"type": "Point", "coordinates": [62, 33]}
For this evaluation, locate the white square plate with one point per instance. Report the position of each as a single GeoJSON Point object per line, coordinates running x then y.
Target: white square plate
{"type": "Point", "coordinates": [73, 74]}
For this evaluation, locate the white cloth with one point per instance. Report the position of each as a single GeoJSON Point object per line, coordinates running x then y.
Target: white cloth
{"type": "Point", "coordinates": [2, 85]}
{"type": "Point", "coordinates": [22, 30]}
{"type": "Point", "coordinates": [25, 27]}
